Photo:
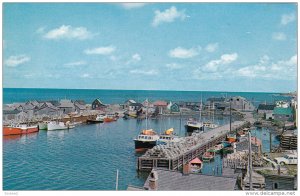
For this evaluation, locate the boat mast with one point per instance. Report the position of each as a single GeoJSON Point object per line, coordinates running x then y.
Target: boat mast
{"type": "Point", "coordinates": [117, 180]}
{"type": "Point", "coordinates": [200, 110]}
{"type": "Point", "coordinates": [147, 114]}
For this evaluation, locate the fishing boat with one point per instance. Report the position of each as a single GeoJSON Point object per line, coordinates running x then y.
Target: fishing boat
{"type": "Point", "coordinates": [42, 125]}
{"type": "Point", "coordinates": [231, 138]}
{"type": "Point", "coordinates": [216, 148]}
{"type": "Point", "coordinates": [226, 144]}
{"type": "Point", "coordinates": [192, 124]}
{"type": "Point", "coordinates": [98, 119]}
{"type": "Point", "coordinates": [208, 156]}
{"type": "Point", "coordinates": [110, 118]}
{"type": "Point", "coordinates": [167, 137]}
{"type": "Point", "coordinates": [53, 125]}
{"type": "Point", "coordinates": [19, 129]}
{"type": "Point", "coordinates": [145, 140]}
{"type": "Point", "coordinates": [196, 165]}
{"type": "Point", "coordinates": [209, 125]}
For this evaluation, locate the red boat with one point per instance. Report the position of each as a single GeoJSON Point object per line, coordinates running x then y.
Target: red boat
{"type": "Point", "coordinates": [18, 130]}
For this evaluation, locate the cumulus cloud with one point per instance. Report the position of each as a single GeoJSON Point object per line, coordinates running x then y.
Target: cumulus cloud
{"type": "Point", "coordinates": [183, 53]}
{"type": "Point", "coordinates": [212, 47]}
{"type": "Point", "coordinates": [225, 59]}
{"type": "Point", "coordinates": [68, 32]}
{"type": "Point", "coordinates": [287, 18]}
{"type": "Point", "coordinates": [106, 50]}
{"type": "Point", "coordinates": [279, 36]}
{"type": "Point", "coordinates": [134, 59]}
{"type": "Point", "coordinates": [144, 72]}
{"type": "Point", "coordinates": [283, 69]}
{"type": "Point", "coordinates": [174, 66]}
{"type": "Point", "coordinates": [76, 63]}
{"type": "Point", "coordinates": [167, 16]}
{"type": "Point", "coordinates": [129, 6]}
{"type": "Point", "coordinates": [14, 61]}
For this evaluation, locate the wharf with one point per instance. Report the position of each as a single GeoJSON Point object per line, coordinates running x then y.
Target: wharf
{"type": "Point", "coordinates": [174, 155]}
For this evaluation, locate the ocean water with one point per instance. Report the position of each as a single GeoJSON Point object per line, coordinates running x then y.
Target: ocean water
{"type": "Point", "coordinates": [84, 158]}
{"type": "Point", "coordinates": [88, 156]}
{"type": "Point", "coordinates": [11, 95]}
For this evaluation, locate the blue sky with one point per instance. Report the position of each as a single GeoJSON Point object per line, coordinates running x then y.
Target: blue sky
{"type": "Point", "coordinates": [162, 46]}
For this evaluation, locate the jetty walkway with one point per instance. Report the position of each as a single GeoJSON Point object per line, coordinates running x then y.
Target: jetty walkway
{"type": "Point", "coordinates": [174, 155]}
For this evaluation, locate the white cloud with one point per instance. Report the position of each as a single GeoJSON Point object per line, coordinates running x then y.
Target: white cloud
{"type": "Point", "coordinates": [68, 32]}
{"type": "Point", "coordinates": [287, 18]}
{"type": "Point", "coordinates": [225, 59]}
{"type": "Point", "coordinates": [174, 66]}
{"type": "Point", "coordinates": [279, 36]}
{"type": "Point", "coordinates": [212, 47]}
{"type": "Point", "coordinates": [73, 64]}
{"type": "Point", "coordinates": [144, 72]}
{"type": "Point", "coordinates": [85, 75]}
{"type": "Point", "coordinates": [136, 57]}
{"type": "Point", "coordinates": [167, 16]}
{"type": "Point", "coordinates": [183, 53]}
{"type": "Point", "coordinates": [284, 69]}
{"type": "Point", "coordinates": [106, 50]}
{"type": "Point", "coordinates": [129, 6]}
{"type": "Point", "coordinates": [14, 61]}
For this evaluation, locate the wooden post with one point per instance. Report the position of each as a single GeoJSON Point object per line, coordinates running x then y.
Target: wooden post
{"type": "Point", "coordinates": [250, 162]}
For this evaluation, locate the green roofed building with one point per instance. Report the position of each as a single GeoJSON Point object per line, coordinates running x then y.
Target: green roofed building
{"type": "Point", "coordinates": [283, 114]}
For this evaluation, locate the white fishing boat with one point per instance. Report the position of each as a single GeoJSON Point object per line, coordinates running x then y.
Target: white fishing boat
{"type": "Point", "coordinates": [42, 125]}
{"type": "Point", "coordinates": [168, 137]}
{"type": "Point", "coordinates": [53, 125]}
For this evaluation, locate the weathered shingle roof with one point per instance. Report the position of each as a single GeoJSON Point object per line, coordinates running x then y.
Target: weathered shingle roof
{"type": "Point", "coordinates": [160, 103]}
{"type": "Point", "coordinates": [66, 104]}
{"type": "Point", "coordinates": [136, 104]}
{"type": "Point", "coordinates": [173, 180]}
{"type": "Point", "coordinates": [266, 107]}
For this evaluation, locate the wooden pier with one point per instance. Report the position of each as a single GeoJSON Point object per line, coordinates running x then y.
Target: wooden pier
{"type": "Point", "coordinates": [174, 156]}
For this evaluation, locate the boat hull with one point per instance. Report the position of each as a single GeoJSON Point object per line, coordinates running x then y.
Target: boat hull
{"type": "Point", "coordinates": [18, 130]}
{"type": "Point", "coordinates": [94, 121]}
{"type": "Point", "coordinates": [42, 126]}
{"type": "Point", "coordinates": [191, 129]}
{"type": "Point", "coordinates": [55, 126]}
{"type": "Point", "coordinates": [143, 145]}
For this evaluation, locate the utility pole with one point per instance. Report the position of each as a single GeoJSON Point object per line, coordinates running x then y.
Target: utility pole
{"type": "Point", "coordinates": [230, 114]}
{"type": "Point", "coordinates": [250, 161]}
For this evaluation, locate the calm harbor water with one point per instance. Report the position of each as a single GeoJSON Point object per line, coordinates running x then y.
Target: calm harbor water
{"type": "Point", "coordinates": [83, 158]}
{"type": "Point", "coordinates": [88, 156]}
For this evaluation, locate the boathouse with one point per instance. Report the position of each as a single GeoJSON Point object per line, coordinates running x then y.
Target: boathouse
{"type": "Point", "coordinates": [47, 109]}
{"type": "Point", "coordinates": [66, 106]}
{"type": "Point", "coordinates": [266, 110]}
{"type": "Point", "coordinates": [98, 105]}
{"type": "Point", "coordinates": [161, 106]}
{"type": "Point", "coordinates": [135, 107]}
{"type": "Point", "coordinates": [79, 106]}
{"type": "Point", "coordinates": [241, 103]}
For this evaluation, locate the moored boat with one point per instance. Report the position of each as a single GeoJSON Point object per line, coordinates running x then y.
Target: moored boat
{"type": "Point", "coordinates": [216, 148]}
{"type": "Point", "coordinates": [98, 119]}
{"type": "Point", "coordinates": [19, 129]}
{"type": "Point", "coordinates": [145, 140]}
{"type": "Point", "coordinates": [231, 138]}
{"type": "Point", "coordinates": [208, 156]}
{"type": "Point", "coordinates": [110, 118]}
{"type": "Point", "coordinates": [42, 125]}
{"type": "Point", "coordinates": [192, 125]}
{"type": "Point", "coordinates": [53, 125]}
{"type": "Point", "coordinates": [168, 137]}
{"type": "Point", "coordinates": [209, 125]}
